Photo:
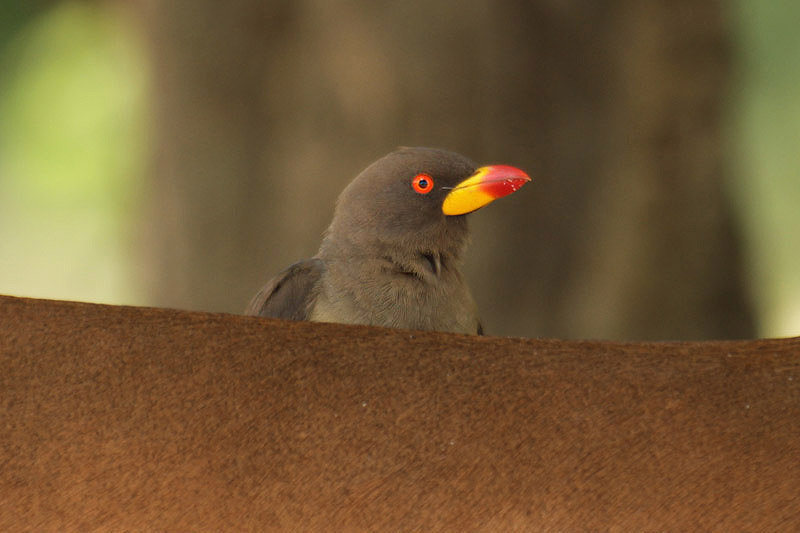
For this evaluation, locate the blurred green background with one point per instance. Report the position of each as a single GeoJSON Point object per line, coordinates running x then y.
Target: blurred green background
{"type": "Point", "coordinates": [74, 106]}
{"type": "Point", "coordinates": [72, 111]}
{"type": "Point", "coordinates": [764, 139]}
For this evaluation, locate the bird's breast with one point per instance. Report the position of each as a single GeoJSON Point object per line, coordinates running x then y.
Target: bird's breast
{"type": "Point", "coordinates": [374, 295]}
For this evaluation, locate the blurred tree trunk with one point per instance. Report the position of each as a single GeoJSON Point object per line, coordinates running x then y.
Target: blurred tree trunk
{"type": "Point", "coordinates": [265, 110]}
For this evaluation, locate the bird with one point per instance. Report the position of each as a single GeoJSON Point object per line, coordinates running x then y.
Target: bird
{"type": "Point", "coordinates": [392, 254]}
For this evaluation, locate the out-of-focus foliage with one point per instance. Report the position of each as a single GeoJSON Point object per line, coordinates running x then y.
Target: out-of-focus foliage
{"type": "Point", "coordinates": [71, 145]}
{"type": "Point", "coordinates": [766, 156]}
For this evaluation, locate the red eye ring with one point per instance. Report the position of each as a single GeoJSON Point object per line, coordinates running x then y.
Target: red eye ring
{"type": "Point", "coordinates": [422, 183]}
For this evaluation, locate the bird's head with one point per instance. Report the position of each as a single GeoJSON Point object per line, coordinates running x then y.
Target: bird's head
{"type": "Point", "coordinates": [415, 199]}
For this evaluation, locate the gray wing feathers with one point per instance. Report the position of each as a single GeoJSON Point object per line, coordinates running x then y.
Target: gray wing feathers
{"type": "Point", "coordinates": [290, 294]}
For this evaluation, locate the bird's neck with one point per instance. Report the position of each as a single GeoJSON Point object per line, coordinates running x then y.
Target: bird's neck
{"type": "Point", "coordinates": [419, 259]}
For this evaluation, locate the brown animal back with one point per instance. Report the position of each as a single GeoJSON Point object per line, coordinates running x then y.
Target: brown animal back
{"type": "Point", "coordinates": [119, 418]}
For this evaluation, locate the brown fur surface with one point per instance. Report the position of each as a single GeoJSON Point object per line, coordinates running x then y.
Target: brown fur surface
{"type": "Point", "coordinates": [120, 418]}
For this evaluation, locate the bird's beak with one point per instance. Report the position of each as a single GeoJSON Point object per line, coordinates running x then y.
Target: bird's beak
{"type": "Point", "coordinates": [486, 185]}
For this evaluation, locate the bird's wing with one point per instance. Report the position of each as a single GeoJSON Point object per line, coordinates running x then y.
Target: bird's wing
{"type": "Point", "coordinates": [290, 294]}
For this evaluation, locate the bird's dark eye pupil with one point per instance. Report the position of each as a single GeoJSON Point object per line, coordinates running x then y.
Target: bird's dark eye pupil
{"type": "Point", "coordinates": [423, 183]}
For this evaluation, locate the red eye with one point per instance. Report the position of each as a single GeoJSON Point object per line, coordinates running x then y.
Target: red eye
{"type": "Point", "coordinates": [422, 183]}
